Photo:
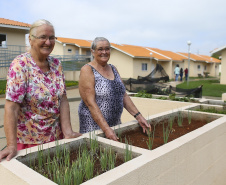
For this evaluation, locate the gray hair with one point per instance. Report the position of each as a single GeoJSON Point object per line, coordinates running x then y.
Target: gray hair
{"type": "Point", "coordinates": [96, 40]}
{"type": "Point", "coordinates": [38, 23]}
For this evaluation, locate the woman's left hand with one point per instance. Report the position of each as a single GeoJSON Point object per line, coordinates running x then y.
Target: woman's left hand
{"type": "Point", "coordinates": [143, 123]}
{"type": "Point", "coordinates": [72, 135]}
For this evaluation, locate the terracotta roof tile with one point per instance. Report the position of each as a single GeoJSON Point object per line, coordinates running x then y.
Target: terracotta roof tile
{"type": "Point", "coordinates": [174, 56]}
{"type": "Point", "coordinates": [138, 51]}
{"type": "Point", "coordinates": [194, 56]}
{"type": "Point", "coordinates": [13, 23]}
{"type": "Point", "coordinates": [78, 42]}
{"type": "Point", "coordinates": [210, 59]}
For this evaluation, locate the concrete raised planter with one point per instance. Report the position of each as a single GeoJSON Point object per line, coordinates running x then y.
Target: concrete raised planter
{"type": "Point", "coordinates": [212, 102]}
{"type": "Point", "coordinates": [207, 106]}
{"type": "Point", "coordinates": [195, 158]}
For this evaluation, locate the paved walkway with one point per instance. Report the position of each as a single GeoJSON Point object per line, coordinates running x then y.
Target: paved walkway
{"type": "Point", "coordinates": [74, 100]}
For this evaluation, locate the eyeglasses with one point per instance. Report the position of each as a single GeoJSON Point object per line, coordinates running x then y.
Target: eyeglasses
{"type": "Point", "coordinates": [101, 50]}
{"type": "Point", "coordinates": [45, 38]}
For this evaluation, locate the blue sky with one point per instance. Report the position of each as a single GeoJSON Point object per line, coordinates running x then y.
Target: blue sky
{"type": "Point", "coordinates": [163, 24]}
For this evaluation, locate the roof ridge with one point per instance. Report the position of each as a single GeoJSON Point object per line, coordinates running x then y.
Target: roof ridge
{"type": "Point", "coordinates": [158, 53]}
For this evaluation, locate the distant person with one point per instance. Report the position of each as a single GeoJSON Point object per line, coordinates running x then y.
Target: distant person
{"type": "Point", "coordinates": [103, 94]}
{"type": "Point", "coordinates": [181, 74]}
{"type": "Point", "coordinates": [186, 74]}
{"type": "Point", "coordinates": [177, 72]}
{"type": "Point", "coordinates": [36, 108]}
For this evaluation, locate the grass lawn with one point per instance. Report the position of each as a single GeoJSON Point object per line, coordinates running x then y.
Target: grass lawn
{"type": "Point", "coordinates": [210, 87]}
{"type": "Point", "coordinates": [3, 85]}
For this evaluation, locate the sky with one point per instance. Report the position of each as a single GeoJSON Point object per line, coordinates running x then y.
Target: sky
{"type": "Point", "coordinates": [163, 24]}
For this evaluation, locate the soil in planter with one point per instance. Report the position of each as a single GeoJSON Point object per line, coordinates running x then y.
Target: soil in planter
{"type": "Point", "coordinates": [136, 137]}
{"type": "Point", "coordinates": [64, 173]}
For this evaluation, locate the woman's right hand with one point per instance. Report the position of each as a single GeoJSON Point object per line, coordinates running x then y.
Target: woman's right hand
{"type": "Point", "coordinates": [9, 152]}
{"type": "Point", "coordinates": [110, 134]}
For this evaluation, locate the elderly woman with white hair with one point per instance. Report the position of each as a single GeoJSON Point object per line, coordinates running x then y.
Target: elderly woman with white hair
{"type": "Point", "coordinates": [103, 94]}
{"type": "Point", "coordinates": [36, 108]}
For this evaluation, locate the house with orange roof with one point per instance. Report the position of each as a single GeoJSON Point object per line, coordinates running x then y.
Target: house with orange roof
{"type": "Point", "coordinates": [201, 64]}
{"type": "Point", "coordinates": [222, 52]}
{"type": "Point", "coordinates": [12, 42]}
{"type": "Point", "coordinates": [133, 61]}
{"type": "Point", "coordinates": [12, 32]}
{"type": "Point", "coordinates": [140, 61]}
{"type": "Point", "coordinates": [68, 46]}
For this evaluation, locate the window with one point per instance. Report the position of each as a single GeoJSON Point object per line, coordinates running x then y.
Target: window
{"type": "Point", "coordinates": [88, 53]}
{"type": "Point", "coordinates": [199, 67]}
{"type": "Point", "coordinates": [69, 50]}
{"type": "Point", "coordinates": [144, 67]}
{"type": "Point", "coordinates": [2, 40]}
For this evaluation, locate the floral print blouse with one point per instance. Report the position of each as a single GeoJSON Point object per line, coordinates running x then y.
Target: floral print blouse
{"type": "Point", "coordinates": [39, 95]}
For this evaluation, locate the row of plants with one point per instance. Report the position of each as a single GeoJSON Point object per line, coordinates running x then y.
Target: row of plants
{"type": "Point", "coordinates": [172, 97]}
{"type": "Point", "coordinates": [167, 129]}
{"type": "Point", "coordinates": [67, 167]}
{"type": "Point", "coordinates": [212, 110]}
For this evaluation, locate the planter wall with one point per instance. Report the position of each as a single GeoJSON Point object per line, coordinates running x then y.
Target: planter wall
{"type": "Point", "coordinates": [195, 158]}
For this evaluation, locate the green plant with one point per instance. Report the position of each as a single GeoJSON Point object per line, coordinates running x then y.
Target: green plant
{"type": "Point", "coordinates": [166, 132]}
{"type": "Point", "coordinates": [179, 118]}
{"type": "Point", "coordinates": [103, 159]}
{"type": "Point", "coordinates": [170, 121]}
{"type": "Point", "coordinates": [211, 110]}
{"type": "Point", "coordinates": [59, 166]}
{"type": "Point", "coordinates": [162, 98]}
{"type": "Point", "coordinates": [151, 136]}
{"type": "Point", "coordinates": [143, 94]}
{"type": "Point", "coordinates": [111, 159]}
{"type": "Point", "coordinates": [172, 96]}
{"type": "Point", "coordinates": [189, 116]}
{"type": "Point", "coordinates": [128, 152]}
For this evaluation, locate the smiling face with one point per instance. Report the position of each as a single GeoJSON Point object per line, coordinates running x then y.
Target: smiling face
{"type": "Point", "coordinates": [42, 48]}
{"type": "Point", "coordinates": [102, 52]}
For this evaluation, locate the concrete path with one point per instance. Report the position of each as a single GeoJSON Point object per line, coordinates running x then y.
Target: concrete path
{"type": "Point", "coordinates": [74, 100]}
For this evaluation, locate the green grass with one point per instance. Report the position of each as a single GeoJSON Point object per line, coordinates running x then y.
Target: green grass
{"type": "Point", "coordinates": [210, 87]}
{"type": "Point", "coordinates": [71, 83]}
{"type": "Point", "coordinates": [3, 85]}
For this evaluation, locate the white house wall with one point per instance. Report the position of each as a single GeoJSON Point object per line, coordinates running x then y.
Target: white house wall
{"type": "Point", "coordinates": [14, 36]}
{"type": "Point", "coordinates": [137, 63]}
{"type": "Point", "coordinates": [223, 67]}
{"type": "Point", "coordinates": [122, 62]}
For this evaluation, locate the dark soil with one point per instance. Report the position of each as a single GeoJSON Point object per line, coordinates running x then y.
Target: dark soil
{"type": "Point", "coordinates": [136, 137]}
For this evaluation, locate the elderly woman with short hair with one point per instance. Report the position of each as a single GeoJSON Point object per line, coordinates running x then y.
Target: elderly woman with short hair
{"type": "Point", "coordinates": [36, 108]}
{"type": "Point", "coordinates": [103, 94]}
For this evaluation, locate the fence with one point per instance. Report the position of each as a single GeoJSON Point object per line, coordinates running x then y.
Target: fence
{"type": "Point", "coordinates": [69, 62]}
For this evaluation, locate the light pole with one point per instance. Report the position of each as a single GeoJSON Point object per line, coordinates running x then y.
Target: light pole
{"type": "Point", "coordinates": [189, 44]}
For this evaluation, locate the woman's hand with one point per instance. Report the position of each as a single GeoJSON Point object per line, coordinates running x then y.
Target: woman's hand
{"type": "Point", "coordinates": [143, 123]}
{"type": "Point", "coordinates": [9, 152]}
{"type": "Point", "coordinates": [110, 134]}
